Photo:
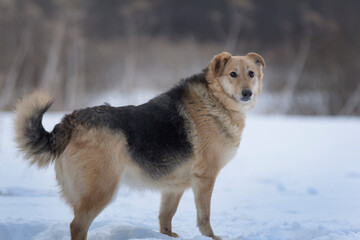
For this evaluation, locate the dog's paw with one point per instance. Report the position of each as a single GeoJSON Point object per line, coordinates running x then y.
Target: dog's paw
{"type": "Point", "coordinates": [175, 235]}
{"type": "Point", "coordinates": [171, 234]}
{"type": "Point", "coordinates": [216, 237]}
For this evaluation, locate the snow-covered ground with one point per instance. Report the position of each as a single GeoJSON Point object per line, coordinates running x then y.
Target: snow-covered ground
{"type": "Point", "coordinates": [293, 178]}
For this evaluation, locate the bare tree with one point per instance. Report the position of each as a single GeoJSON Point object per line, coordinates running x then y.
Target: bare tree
{"type": "Point", "coordinates": [235, 28]}
{"type": "Point", "coordinates": [352, 103]}
{"type": "Point", "coordinates": [288, 91]}
{"type": "Point", "coordinates": [51, 76]}
{"type": "Point", "coordinates": [13, 75]}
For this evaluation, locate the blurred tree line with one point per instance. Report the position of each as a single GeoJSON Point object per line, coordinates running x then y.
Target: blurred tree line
{"type": "Point", "coordinates": [76, 49]}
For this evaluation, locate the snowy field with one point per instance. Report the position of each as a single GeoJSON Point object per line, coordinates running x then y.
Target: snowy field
{"type": "Point", "coordinates": [293, 178]}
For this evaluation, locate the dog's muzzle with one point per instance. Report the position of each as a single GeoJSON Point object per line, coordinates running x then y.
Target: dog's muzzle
{"type": "Point", "coordinates": [246, 95]}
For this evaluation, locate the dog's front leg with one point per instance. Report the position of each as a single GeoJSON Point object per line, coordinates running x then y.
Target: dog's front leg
{"type": "Point", "coordinates": [203, 187]}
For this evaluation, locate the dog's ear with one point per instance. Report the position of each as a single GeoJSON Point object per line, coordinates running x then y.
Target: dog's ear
{"type": "Point", "coordinates": [218, 63]}
{"type": "Point", "coordinates": [257, 58]}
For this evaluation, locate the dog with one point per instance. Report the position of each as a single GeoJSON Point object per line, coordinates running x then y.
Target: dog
{"type": "Point", "coordinates": [179, 139]}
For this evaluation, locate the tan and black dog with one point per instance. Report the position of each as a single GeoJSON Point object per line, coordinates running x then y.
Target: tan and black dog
{"type": "Point", "coordinates": [179, 139]}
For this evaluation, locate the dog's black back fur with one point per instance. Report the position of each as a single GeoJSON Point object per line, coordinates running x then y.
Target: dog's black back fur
{"type": "Point", "coordinates": [156, 131]}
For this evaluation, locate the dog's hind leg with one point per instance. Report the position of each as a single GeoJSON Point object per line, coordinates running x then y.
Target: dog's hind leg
{"type": "Point", "coordinates": [89, 173]}
{"type": "Point", "coordinates": [169, 204]}
{"type": "Point", "coordinates": [101, 185]}
{"type": "Point", "coordinates": [90, 206]}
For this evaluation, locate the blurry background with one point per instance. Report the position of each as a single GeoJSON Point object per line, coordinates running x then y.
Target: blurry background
{"type": "Point", "coordinates": [83, 52]}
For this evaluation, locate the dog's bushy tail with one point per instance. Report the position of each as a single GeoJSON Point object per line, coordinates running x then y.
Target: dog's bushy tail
{"type": "Point", "coordinates": [40, 147]}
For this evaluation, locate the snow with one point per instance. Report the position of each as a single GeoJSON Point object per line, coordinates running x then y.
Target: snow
{"type": "Point", "coordinates": [292, 178]}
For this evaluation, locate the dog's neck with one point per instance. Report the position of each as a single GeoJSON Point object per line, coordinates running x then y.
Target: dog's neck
{"type": "Point", "coordinates": [236, 113]}
{"type": "Point", "coordinates": [236, 116]}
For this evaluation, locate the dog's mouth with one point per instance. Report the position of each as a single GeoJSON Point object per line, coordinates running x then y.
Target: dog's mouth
{"type": "Point", "coordinates": [242, 99]}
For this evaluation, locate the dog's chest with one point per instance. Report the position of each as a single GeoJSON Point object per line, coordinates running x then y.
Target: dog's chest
{"type": "Point", "coordinates": [227, 143]}
{"type": "Point", "coordinates": [227, 151]}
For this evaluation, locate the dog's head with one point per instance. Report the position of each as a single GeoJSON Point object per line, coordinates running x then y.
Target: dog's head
{"type": "Point", "coordinates": [236, 80]}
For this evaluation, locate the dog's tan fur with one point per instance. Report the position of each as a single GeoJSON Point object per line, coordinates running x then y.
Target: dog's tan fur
{"type": "Point", "coordinates": [95, 161]}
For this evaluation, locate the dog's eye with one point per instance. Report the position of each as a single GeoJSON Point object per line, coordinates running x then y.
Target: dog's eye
{"type": "Point", "coordinates": [251, 74]}
{"type": "Point", "coordinates": [233, 74]}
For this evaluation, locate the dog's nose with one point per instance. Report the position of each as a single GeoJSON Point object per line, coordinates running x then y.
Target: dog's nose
{"type": "Point", "coordinates": [246, 93]}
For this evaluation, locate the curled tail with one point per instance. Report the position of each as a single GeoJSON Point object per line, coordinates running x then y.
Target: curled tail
{"type": "Point", "coordinates": [40, 147]}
